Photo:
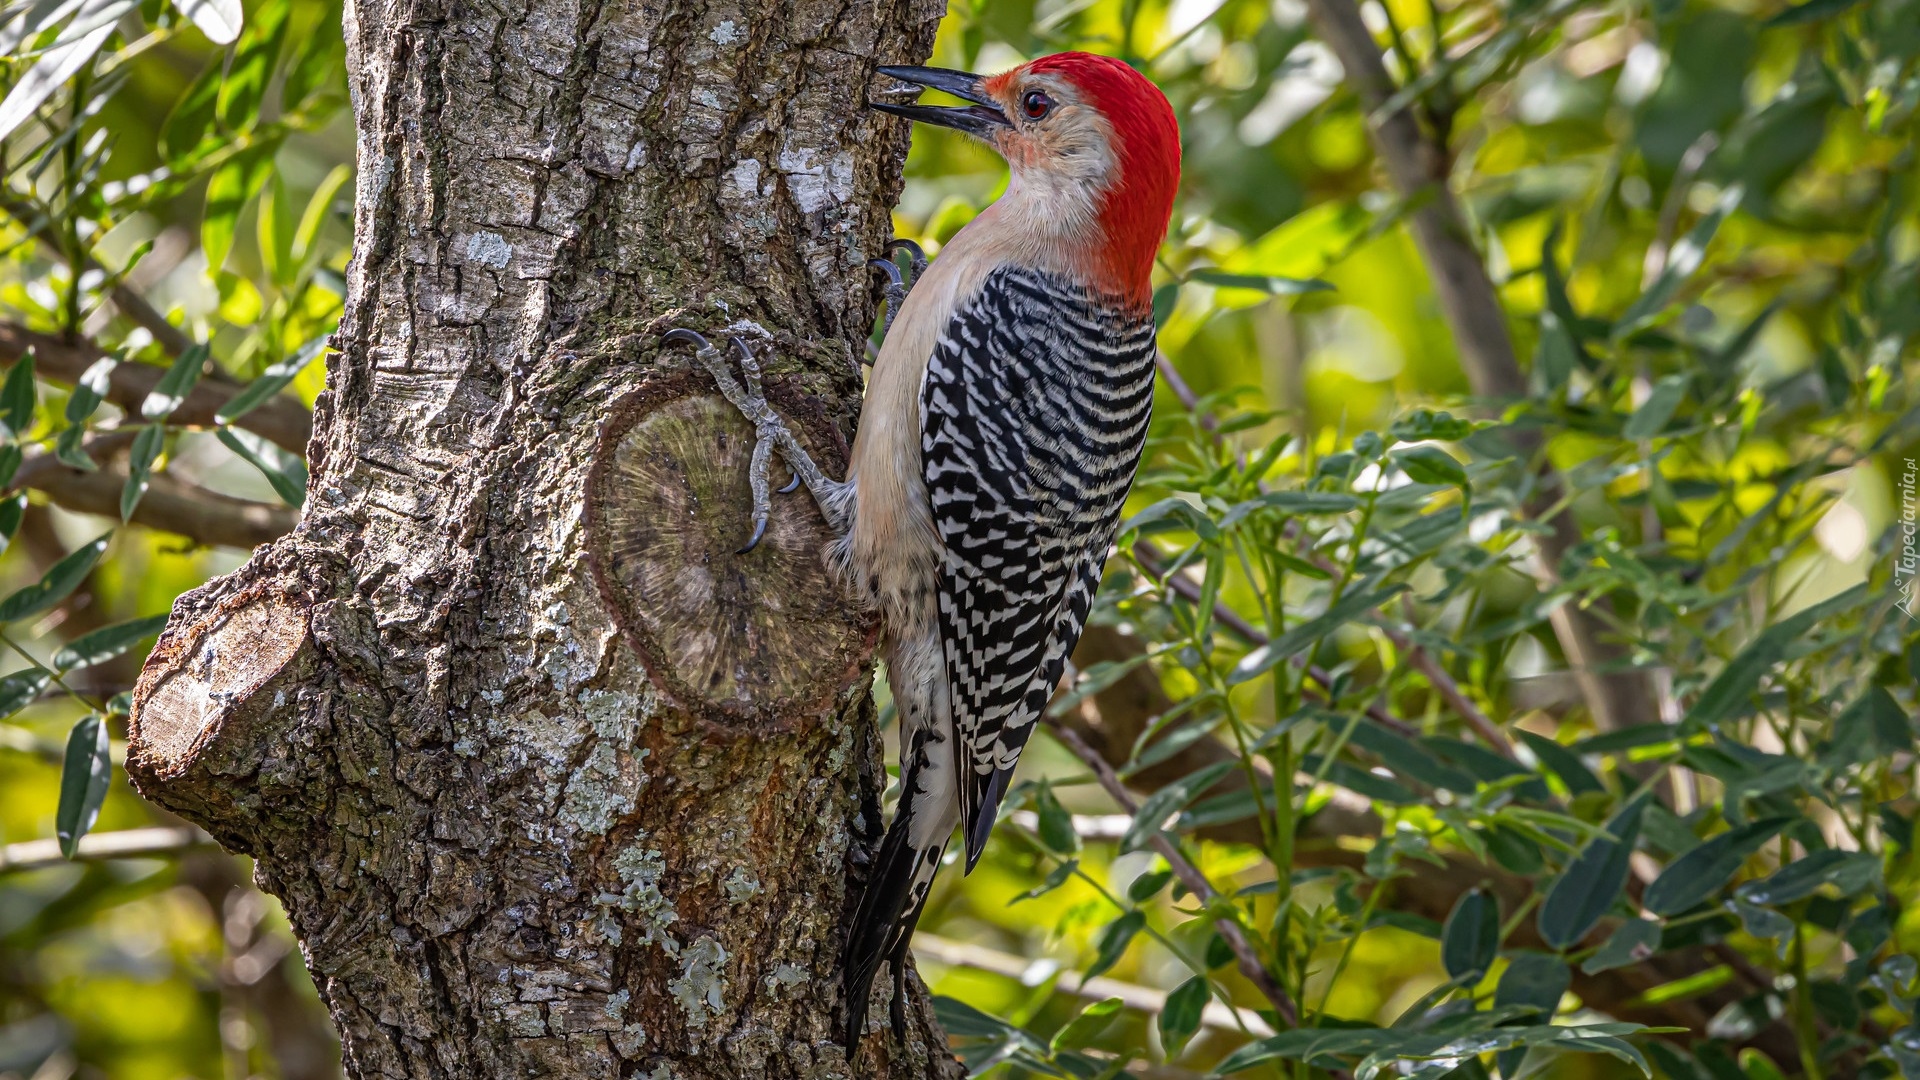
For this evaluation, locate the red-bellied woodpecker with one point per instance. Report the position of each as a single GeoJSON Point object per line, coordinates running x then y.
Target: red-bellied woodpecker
{"type": "Point", "coordinates": [1001, 429]}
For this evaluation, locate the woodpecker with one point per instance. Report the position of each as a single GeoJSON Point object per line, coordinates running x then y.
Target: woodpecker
{"type": "Point", "coordinates": [1001, 429]}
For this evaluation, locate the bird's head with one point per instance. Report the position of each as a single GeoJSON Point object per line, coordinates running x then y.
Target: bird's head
{"type": "Point", "coordinates": [1090, 141]}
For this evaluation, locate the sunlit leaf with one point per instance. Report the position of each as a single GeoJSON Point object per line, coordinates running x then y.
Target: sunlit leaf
{"type": "Point", "coordinates": [98, 646]}
{"type": "Point", "coordinates": [55, 585]}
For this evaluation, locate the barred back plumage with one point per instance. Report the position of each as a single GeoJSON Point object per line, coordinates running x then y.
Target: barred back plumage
{"type": "Point", "coordinates": [1035, 409]}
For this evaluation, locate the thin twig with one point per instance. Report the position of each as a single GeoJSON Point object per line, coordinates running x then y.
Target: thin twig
{"type": "Point", "coordinates": [124, 844]}
{"type": "Point", "coordinates": [1190, 876]}
{"type": "Point", "coordinates": [283, 420]}
{"type": "Point", "coordinates": [169, 505]}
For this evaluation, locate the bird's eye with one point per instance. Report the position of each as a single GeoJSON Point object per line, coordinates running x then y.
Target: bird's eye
{"type": "Point", "coordinates": [1036, 105]}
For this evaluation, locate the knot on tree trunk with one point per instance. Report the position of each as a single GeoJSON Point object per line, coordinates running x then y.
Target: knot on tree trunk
{"type": "Point", "coordinates": [759, 638]}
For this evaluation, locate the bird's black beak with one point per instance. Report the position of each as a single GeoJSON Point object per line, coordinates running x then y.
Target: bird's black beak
{"type": "Point", "coordinates": [981, 119]}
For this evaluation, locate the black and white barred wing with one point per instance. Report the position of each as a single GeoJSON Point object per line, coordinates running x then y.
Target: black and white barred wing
{"type": "Point", "coordinates": [1034, 412]}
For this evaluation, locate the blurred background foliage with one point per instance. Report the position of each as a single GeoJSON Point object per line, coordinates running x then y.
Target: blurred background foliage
{"type": "Point", "coordinates": [1698, 216]}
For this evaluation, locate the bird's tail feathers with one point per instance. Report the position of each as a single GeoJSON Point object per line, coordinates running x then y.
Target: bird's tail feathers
{"type": "Point", "coordinates": [890, 905]}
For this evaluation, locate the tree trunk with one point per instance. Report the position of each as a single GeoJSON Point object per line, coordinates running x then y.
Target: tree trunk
{"type": "Point", "coordinates": [551, 782]}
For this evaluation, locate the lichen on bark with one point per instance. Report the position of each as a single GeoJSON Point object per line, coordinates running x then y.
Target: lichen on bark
{"type": "Point", "coordinates": [508, 847]}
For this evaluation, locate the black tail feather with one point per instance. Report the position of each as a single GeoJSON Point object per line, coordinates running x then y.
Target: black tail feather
{"type": "Point", "coordinates": [881, 922]}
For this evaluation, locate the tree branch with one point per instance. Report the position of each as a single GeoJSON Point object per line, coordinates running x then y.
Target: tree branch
{"type": "Point", "coordinates": [169, 505]}
{"type": "Point", "coordinates": [281, 420]}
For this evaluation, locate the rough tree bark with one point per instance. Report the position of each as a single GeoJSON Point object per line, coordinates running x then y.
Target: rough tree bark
{"type": "Point", "coordinates": [551, 782]}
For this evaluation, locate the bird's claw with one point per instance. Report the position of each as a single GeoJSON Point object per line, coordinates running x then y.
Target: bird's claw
{"type": "Point", "coordinates": [896, 287]}
{"type": "Point", "coordinates": [747, 395]}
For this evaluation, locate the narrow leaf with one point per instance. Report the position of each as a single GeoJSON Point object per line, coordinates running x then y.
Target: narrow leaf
{"type": "Point", "coordinates": [91, 390]}
{"type": "Point", "coordinates": [1180, 1017]}
{"type": "Point", "coordinates": [64, 577]}
{"type": "Point", "coordinates": [1169, 801]}
{"type": "Point", "coordinates": [220, 20]}
{"type": "Point", "coordinates": [140, 459]}
{"type": "Point", "coordinates": [1113, 943]}
{"type": "Point", "coordinates": [1699, 873]}
{"type": "Point", "coordinates": [21, 689]}
{"type": "Point", "coordinates": [1086, 1027]}
{"type": "Point", "coordinates": [286, 472]}
{"type": "Point", "coordinates": [1592, 881]}
{"type": "Point", "coordinates": [1634, 942]}
{"type": "Point", "coordinates": [1261, 660]}
{"type": "Point", "coordinates": [1682, 261]}
{"type": "Point", "coordinates": [1471, 937]}
{"type": "Point", "coordinates": [1651, 417]}
{"type": "Point", "coordinates": [83, 782]}
{"type": "Point", "coordinates": [18, 397]}
{"type": "Point", "coordinates": [107, 642]}
{"type": "Point", "coordinates": [1056, 825]}
{"type": "Point", "coordinates": [271, 382]}
{"type": "Point", "coordinates": [47, 75]}
{"type": "Point", "coordinates": [175, 385]}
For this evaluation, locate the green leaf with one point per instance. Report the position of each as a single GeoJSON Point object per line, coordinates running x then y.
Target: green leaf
{"type": "Point", "coordinates": [1651, 417]}
{"type": "Point", "coordinates": [1056, 825]}
{"type": "Point", "coordinates": [18, 397]}
{"type": "Point", "coordinates": [220, 20]}
{"type": "Point", "coordinates": [1533, 980]}
{"type": "Point", "coordinates": [1271, 284]}
{"type": "Point", "coordinates": [47, 74]}
{"type": "Point", "coordinates": [1592, 881]}
{"type": "Point", "coordinates": [1432, 465]}
{"type": "Point", "coordinates": [10, 457]}
{"type": "Point", "coordinates": [1113, 943]}
{"type": "Point", "coordinates": [1409, 759]}
{"type": "Point", "coordinates": [319, 207]}
{"type": "Point", "coordinates": [1685, 258]}
{"type": "Point", "coordinates": [1471, 937]}
{"type": "Point", "coordinates": [192, 118]}
{"type": "Point", "coordinates": [1563, 763]}
{"type": "Point", "coordinates": [1851, 872]}
{"type": "Point", "coordinates": [228, 191]}
{"type": "Point", "coordinates": [91, 390]}
{"type": "Point", "coordinates": [1169, 801]}
{"type": "Point", "coordinates": [1165, 299]}
{"type": "Point", "coordinates": [69, 452]}
{"type": "Point", "coordinates": [286, 472]}
{"type": "Point", "coordinates": [273, 232]}
{"type": "Point", "coordinates": [271, 382]}
{"type": "Point", "coordinates": [175, 385]}
{"type": "Point", "coordinates": [83, 782]}
{"type": "Point", "coordinates": [1086, 1027]}
{"type": "Point", "coordinates": [1148, 885]}
{"type": "Point", "coordinates": [13, 510]}
{"type": "Point", "coordinates": [1699, 873]}
{"type": "Point", "coordinates": [22, 688]}
{"type": "Point", "coordinates": [140, 459]}
{"type": "Point", "coordinates": [1262, 659]}
{"type": "Point", "coordinates": [1633, 942]}
{"type": "Point", "coordinates": [1732, 687]}
{"type": "Point", "coordinates": [64, 577]}
{"type": "Point", "coordinates": [1180, 1017]}
{"type": "Point", "coordinates": [1873, 726]}
{"type": "Point", "coordinates": [1055, 878]}
{"type": "Point", "coordinates": [107, 642]}
{"type": "Point", "coordinates": [251, 68]}
{"type": "Point", "coordinates": [1812, 11]}
{"type": "Point", "coordinates": [1172, 513]}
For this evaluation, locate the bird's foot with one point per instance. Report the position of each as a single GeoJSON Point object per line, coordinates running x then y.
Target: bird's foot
{"type": "Point", "coordinates": [770, 433]}
{"type": "Point", "coordinates": [897, 287]}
